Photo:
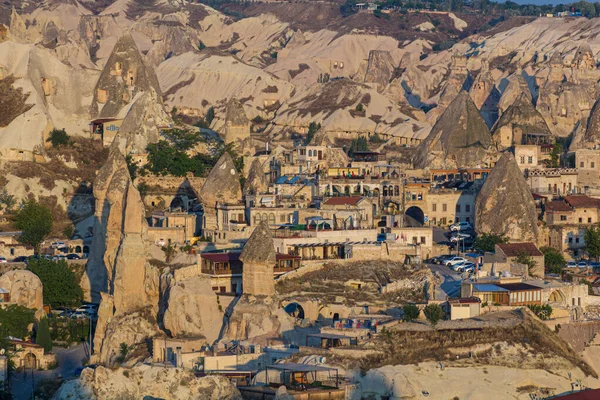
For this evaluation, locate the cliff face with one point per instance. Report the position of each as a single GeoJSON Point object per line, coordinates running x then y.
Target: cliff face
{"type": "Point", "coordinates": [459, 139]}
{"type": "Point", "coordinates": [118, 268]}
{"type": "Point", "coordinates": [504, 205]}
{"type": "Point", "coordinates": [123, 77]}
{"type": "Point", "coordinates": [257, 180]}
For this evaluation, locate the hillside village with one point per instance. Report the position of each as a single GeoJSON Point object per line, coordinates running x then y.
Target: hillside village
{"type": "Point", "coordinates": [293, 203]}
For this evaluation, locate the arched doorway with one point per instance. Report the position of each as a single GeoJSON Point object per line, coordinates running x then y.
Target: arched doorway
{"type": "Point", "coordinates": [416, 214]}
{"type": "Point", "coordinates": [30, 361]}
{"type": "Point", "coordinates": [295, 310]}
{"type": "Point", "coordinates": [557, 296]}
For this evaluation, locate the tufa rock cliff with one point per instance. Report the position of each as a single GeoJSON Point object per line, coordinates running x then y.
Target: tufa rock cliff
{"type": "Point", "coordinates": [258, 257]}
{"type": "Point", "coordinates": [504, 205]}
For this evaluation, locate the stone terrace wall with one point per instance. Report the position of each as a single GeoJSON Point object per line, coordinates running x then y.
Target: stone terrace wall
{"type": "Point", "coordinates": [579, 334]}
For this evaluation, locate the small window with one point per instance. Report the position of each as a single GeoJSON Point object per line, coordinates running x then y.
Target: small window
{"type": "Point", "coordinates": [589, 220]}
{"type": "Point", "coordinates": [581, 164]}
{"type": "Point", "coordinates": [580, 220]}
{"type": "Point", "coordinates": [592, 164]}
{"type": "Point", "coordinates": [434, 207]}
{"type": "Point", "coordinates": [576, 240]}
{"type": "Point", "coordinates": [458, 208]}
{"type": "Point", "coordinates": [530, 160]}
{"type": "Point", "coordinates": [563, 217]}
{"type": "Point", "coordinates": [467, 208]}
{"type": "Point", "coordinates": [444, 207]}
{"type": "Point", "coordinates": [422, 239]}
{"type": "Point", "coordinates": [570, 240]}
{"type": "Point", "coordinates": [522, 159]}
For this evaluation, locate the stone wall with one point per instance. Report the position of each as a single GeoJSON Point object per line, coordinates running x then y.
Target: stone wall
{"type": "Point", "coordinates": [579, 334]}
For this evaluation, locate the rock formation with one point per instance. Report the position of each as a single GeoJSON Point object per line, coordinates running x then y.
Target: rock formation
{"type": "Point", "coordinates": [256, 316]}
{"type": "Point", "coordinates": [592, 131]}
{"type": "Point", "coordinates": [237, 124]}
{"type": "Point", "coordinates": [257, 181]}
{"type": "Point", "coordinates": [124, 76]}
{"type": "Point", "coordinates": [504, 205]}
{"type": "Point", "coordinates": [518, 121]}
{"type": "Point", "coordinates": [459, 139]}
{"type": "Point", "coordinates": [25, 289]}
{"type": "Point", "coordinates": [118, 265]}
{"type": "Point", "coordinates": [192, 309]}
{"type": "Point", "coordinates": [516, 86]}
{"type": "Point", "coordinates": [145, 381]}
{"type": "Point", "coordinates": [258, 257]}
{"type": "Point", "coordinates": [485, 94]}
{"type": "Point", "coordinates": [222, 185]}
{"type": "Point", "coordinates": [380, 69]}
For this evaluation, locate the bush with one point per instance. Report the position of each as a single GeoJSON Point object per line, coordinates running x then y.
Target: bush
{"type": "Point", "coordinates": [67, 330]}
{"type": "Point", "coordinates": [58, 137]}
{"type": "Point", "coordinates": [411, 312]}
{"type": "Point", "coordinates": [553, 260]}
{"type": "Point", "coordinates": [487, 242]}
{"type": "Point", "coordinates": [375, 138]}
{"type": "Point", "coordinates": [543, 312]}
{"type": "Point", "coordinates": [15, 320]}
{"type": "Point", "coordinates": [433, 313]}
{"type": "Point", "coordinates": [69, 231]}
{"type": "Point", "coordinates": [61, 287]}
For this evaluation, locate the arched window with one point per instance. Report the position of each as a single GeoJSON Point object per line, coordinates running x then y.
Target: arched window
{"type": "Point", "coordinates": [310, 153]}
{"type": "Point", "coordinates": [77, 249]}
{"type": "Point", "coordinates": [396, 190]}
{"type": "Point", "coordinates": [271, 219]}
{"type": "Point", "coordinates": [265, 218]}
{"type": "Point", "coordinates": [86, 249]}
{"type": "Point", "coordinates": [256, 218]}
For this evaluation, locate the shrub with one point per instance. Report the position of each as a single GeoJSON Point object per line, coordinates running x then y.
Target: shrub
{"type": "Point", "coordinates": [35, 222]}
{"type": "Point", "coordinates": [42, 335]}
{"type": "Point", "coordinates": [58, 137]}
{"type": "Point", "coordinates": [411, 312]}
{"type": "Point", "coordinates": [15, 320]}
{"type": "Point", "coordinates": [433, 313]}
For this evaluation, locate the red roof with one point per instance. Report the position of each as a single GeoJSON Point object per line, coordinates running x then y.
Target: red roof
{"type": "Point", "coordinates": [343, 201]}
{"type": "Point", "coordinates": [558, 206]}
{"type": "Point", "coordinates": [514, 249]}
{"type": "Point", "coordinates": [583, 201]}
{"type": "Point", "coordinates": [593, 394]}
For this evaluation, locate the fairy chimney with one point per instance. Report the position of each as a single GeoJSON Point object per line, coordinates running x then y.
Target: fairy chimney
{"type": "Point", "coordinates": [258, 257]}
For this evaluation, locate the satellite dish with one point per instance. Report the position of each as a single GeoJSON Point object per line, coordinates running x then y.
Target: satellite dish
{"type": "Point", "coordinates": [2, 351]}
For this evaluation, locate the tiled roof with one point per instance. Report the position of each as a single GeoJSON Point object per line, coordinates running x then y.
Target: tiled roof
{"type": "Point", "coordinates": [558, 206]}
{"type": "Point", "coordinates": [514, 249]}
{"type": "Point", "coordinates": [343, 201]}
{"type": "Point", "coordinates": [583, 201]}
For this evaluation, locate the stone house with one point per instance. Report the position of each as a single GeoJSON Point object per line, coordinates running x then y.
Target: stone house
{"type": "Point", "coordinates": [31, 355]}
{"type": "Point", "coordinates": [555, 181]}
{"type": "Point", "coordinates": [349, 212]}
{"type": "Point", "coordinates": [463, 308]}
{"type": "Point", "coordinates": [508, 253]}
{"type": "Point", "coordinates": [587, 162]}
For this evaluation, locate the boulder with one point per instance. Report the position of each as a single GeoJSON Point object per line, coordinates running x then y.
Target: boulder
{"type": "Point", "coordinates": [192, 309]}
{"type": "Point", "coordinates": [146, 381]}
{"type": "Point", "coordinates": [459, 139]}
{"type": "Point", "coordinates": [25, 289]}
{"type": "Point", "coordinates": [504, 205]}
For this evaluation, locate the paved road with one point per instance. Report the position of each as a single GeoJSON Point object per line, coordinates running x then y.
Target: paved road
{"type": "Point", "coordinates": [68, 361]}
{"type": "Point", "coordinates": [450, 287]}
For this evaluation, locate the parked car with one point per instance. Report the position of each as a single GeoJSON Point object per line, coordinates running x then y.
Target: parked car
{"type": "Point", "coordinates": [20, 259]}
{"type": "Point", "coordinates": [470, 267]}
{"type": "Point", "coordinates": [442, 259]}
{"type": "Point", "coordinates": [459, 237]}
{"type": "Point", "coordinates": [595, 264]}
{"type": "Point", "coordinates": [60, 310]}
{"type": "Point", "coordinates": [3, 260]}
{"type": "Point", "coordinates": [582, 264]}
{"type": "Point", "coordinates": [73, 256]}
{"type": "Point", "coordinates": [455, 260]}
{"type": "Point", "coordinates": [59, 257]}
{"type": "Point", "coordinates": [571, 264]}
{"type": "Point", "coordinates": [80, 315]}
{"type": "Point", "coordinates": [461, 226]}
{"type": "Point", "coordinates": [88, 308]}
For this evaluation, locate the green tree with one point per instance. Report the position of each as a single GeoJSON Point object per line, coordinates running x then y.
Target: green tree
{"type": "Point", "coordinates": [132, 166]}
{"type": "Point", "coordinates": [210, 115]}
{"type": "Point", "coordinates": [555, 156]}
{"type": "Point", "coordinates": [169, 251]}
{"type": "Point", "coordinates": [488, 241]}
{"type": "Point", "coordinates": [183, 139]}
{"type": "Point", "coordinates": [35, 222]}
{"type": "Point", "coordinates": [591, 238]}
{"type": "Point", "coordinates": [543, 312]}
{"type": "Point", "coordinates": [58, 137]}
{"type": "Point", "coordinates": [15, 320]}
{"type": "Point", "coordinates": [411, 312]}
{"type": "Point", "coordinates": [359, 144]}
{"type": "Point", "coordinates": [313, 127]}
{"type": "Point", "coordinates": [61, 286]}
{"type": "Point", "coordinates": [42, 335]}
{"type": "Point", "coordinates": [348, 8]}
{"type": "Point", "coordinates": [553, 260]}
{"type": "Point", "coordinates": [526, 259]}
{"type": "Point", "coordinates": [433, 313]}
